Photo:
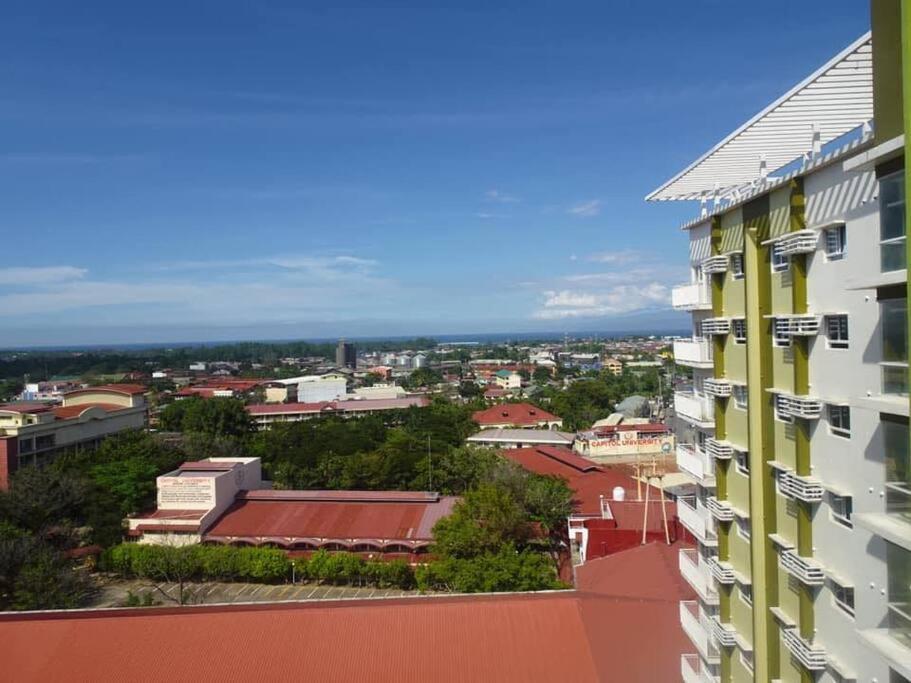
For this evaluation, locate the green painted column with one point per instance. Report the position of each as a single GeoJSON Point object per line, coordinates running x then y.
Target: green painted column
{"type": "Point", "coordinates": [905, 28]}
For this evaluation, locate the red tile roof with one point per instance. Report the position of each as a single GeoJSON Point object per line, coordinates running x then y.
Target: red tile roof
{"type": "Point", "coordinates": [518, 414]}
{"type": "Point", "coordinates": [23, 407]}
{"type": "Point", "coordinates": [621, 625]}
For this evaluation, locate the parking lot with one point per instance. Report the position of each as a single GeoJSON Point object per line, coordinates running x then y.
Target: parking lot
{"type": "Point", "coordinates": [115, 593]}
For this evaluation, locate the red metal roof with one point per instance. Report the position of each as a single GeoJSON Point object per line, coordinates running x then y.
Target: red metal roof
{"type": "Point", "coordinates": [331, 519]}
{"type": "Point", "coordinates": [68, 412]}
{"type": "Point", "coordinates": [354, 406]}
{"type": "Point", "coordinates": [129, 389]}
{"type": "Point", "coordinates": [647, 428]}
{"type": "Point", "coordinates": [344, 496]}
{"type": "Point", "coordinates": [23, 407]}
{"type": "Point", "coordinates": [519, 414]}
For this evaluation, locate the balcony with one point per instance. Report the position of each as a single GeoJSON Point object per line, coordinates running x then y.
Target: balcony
{"type": "Point", "coordinates": [805, 569]}
{"type": "Point", "coordinates": [719, 388]}
{"type": "Point", "coordinates": [720, 450]}
{"type": "Point", "coordinates": [812, 657]}
{"type": "Point", "coordinates": [696, 463]}
{"type": "Point", "coordinates": [797, 325]}
{"type": "Point", "coordinates": [713, 326]}
{"type": "Point", "coordinates": [804, 407]}
{"type": "Point", "coordinates": [695, 296]}
{"type": "Point", "coordinates": [725, 634]}
{"type": "Point", "coordinates": [794, 486]}
{"type": "Point", "coordinates": [692, 670]}
{"type": "Point", "coordinates": [696, 625]}
{"type": "Point", "coordinates": [694, 353]}
{"type": "Point", "coordinates": [697, 573]}
{"type": "Point", "coordinates": [695, 408]}
{"type": "Point", "coordinates": [723, 572]}
{"type": "Point", "coordinates": [720, 509]}
{"type": "Point", "coordinates": [800, 242]}
{"type": "Point", "coordinates": [715, 264]}
{"type": "Point", "coordinates": [696, 518]}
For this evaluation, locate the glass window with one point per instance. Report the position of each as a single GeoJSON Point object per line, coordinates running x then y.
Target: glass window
{"type": "Point", "coordinates": [898, 563]}
{"type": "Point", "coordinates": [898, 465]}
{"type": "Point", "coordinates": [840, 420]}
{"type": "Point", "coordinates": [835, 242]}
{"type": "Point", "coordinates": [746, 592]}
{"type": "Point", "coordinates": [842, 507]}
{"type": "Point", "coordinates": [780, 413]}
{"type": "Point", "coordinates": [743, 528]}
{"type": "Point", "coordinates": [739, 328]}
{"type": "Point", "coordinates": [837, 331]}
{"type": "Point", "coordinates": [739, 392]}
{"type": "Point", "coordinates": [895, 329]}
{"type": "Point", "coordinates": [746, 658]}
{"type": "Point", "coordinates": [844, 597]}
{"type": "Point", "coordinates": [780, 261]}
{"type": "Point", "coordinates": [743, 463]}
{"type": "Point", "coordinates": [737, 266]}
{"type": "Point", "coordinates": [780, 335]}
{"type": "Point", "coordinates": [892, 221]}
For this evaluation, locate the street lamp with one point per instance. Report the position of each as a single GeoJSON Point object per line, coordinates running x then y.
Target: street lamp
{"type": "Point", "coordinates": [293, 578]}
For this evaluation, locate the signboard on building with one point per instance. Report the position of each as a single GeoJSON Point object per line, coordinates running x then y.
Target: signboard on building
{"type": "Point", "coordinates": [177, 493]}
{"type": "Point", "coordinates": [626, 443]}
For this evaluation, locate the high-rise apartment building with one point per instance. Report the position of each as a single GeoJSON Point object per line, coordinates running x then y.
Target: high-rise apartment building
{"type": "Point", "coordinates": [797, 415]}
{"type": "Point", "coordinates": [345, 355]}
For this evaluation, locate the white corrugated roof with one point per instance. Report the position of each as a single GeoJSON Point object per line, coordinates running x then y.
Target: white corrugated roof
{"type": "Point", "coordinates": [836, 99]}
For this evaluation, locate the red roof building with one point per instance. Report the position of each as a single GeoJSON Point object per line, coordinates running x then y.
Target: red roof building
{"type": "Point", "coordinates": [516, 415]}
{"type": "Point", "coordinates": [266, 414]}
{"type": "Point", "coordinates": [622, 624]}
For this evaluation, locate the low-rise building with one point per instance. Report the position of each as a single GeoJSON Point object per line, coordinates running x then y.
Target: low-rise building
{"type": "Point", "coordinates": [614, 366]}
{"type": "Point", "coordinates": [266, 415]}
{"type": "Point", "coordinates": [626, 442]}
{"type": "Point", "coordinates": [516, 415]}
{"type": "Point", "coordinates": [521, 438]}
{"type": "Point", "coordinates": [508, 379]}
{"type": "Point", "coordinates": [33, 433]}
{"type": "Point", "coordinates": [383, 390]}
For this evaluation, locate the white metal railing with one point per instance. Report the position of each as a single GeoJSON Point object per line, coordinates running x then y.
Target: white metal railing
{"type": "Point", "coordinates": [717, 387]}
{"type": "Point", "coordinates": [711, 326]}
{"type": "Point", "coordinates": [697, 520]}
{"type": "Point", "coordinates": [720, 509]}
{"type": "Point", "coordinates": [695, 462]}
{"type": "Point", "coordinates": [720, 450]}
{"type": "Point", "coordinates": [797, 325]}
{"type": "Point", "coordinates": [695, 407]}
{"type": "Point", "coordinates": [800, 242]}
{"type": "Point", "coordinates": [722, 571]}
{"type": "Point", "coordinates": [795, 486]}
{"type": "Point", "coordinates": [812, 656]}
{"type": "Point", "coordinates": [692, 296]}
{"type": "Point", "coordinates": [725, 634]}
{"type": "Point", "coordinates": [805, 569]}
{"type": "Point", "coordinates": [800, 406]}
{"type": "Point", "coordinates": [715, 264]}
{"type": "Point", "coordinates": [697, 574]}
{"type": "Point", "coordinates": [696, 352]}
{"type": "Point", "coordinates": [697, 627]}
{"type": "Point", "coordinates": [692, 670]}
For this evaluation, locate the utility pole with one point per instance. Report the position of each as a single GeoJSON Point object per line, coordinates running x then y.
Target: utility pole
{"type": "Point", "coordinates": [429, 463]}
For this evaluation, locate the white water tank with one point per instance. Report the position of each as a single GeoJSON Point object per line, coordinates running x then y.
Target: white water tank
{"type": "Point", "coordinates": [619, 493]}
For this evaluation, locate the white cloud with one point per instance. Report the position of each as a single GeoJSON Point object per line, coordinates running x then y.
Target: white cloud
{"type": "Point", "coordinates": [621, 256]}
{"type": "Point", "coordinates": [586, 209]}
{"type": "Point", "coordinates": [614, 300]}
{"type": "Point", "coordinates": [500, 197]}
{"type": "Point", "coordinates": [40, 276]}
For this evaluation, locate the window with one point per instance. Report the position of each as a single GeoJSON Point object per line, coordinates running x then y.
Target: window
{"type": "Point", "coordinates": [780, 336]}
{"type": "Point", "coordinates": [893, 314]}
{"type": "Point", "coordinates": [743, 463]}
{"type": "Point", "coordinates": [892, 221]}
{"type": "Point", "coordinates": [840, 420]}
{"type": "Point", "coordinates": [746, 593]}
{"type": "Point", "coordinates": [780, 261]}
{"type": "Point", "coordinates": [737, 266]}
{"type": "Point", "coordinates": [835, 242]}
{"type": "Point", "coordinates": [739, 392]}
{"type": "Point", "coordinates": [844, 597]}
{"type": "Point", "coordinates": [746, 658]}
{"type": "Point", "coordinates": [743, 529]}
{"type": "Point", "coordinates": [781, 413]}
{"type": "Point", "coordinates": [837, 331]}
{"type": "Point", "coordinates": [842, 506]}
{"type": "Point", "coordinates": [739, 328]}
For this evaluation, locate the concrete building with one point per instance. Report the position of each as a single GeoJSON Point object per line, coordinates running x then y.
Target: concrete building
{"type": "Point", "coordinates": [345, 355]}
{"type": "Point", "coordinates": [613, 365]}
{"type": "Point", "coordinates": [508, 379]}
{"type": "Point", "coordinates": [797, 416]}
{"type": "Point", "coordinates": [33, 433]}
{"type": "Point", "coordinates": [626, 442]}
{"type": "Point", "coordinates": [381, 390]}
{"type": "Point", "coordinates": [265, 415]}
{"type": "Point", "coordinates": [521, 438]}
{"type": "Point", "coordinates": [308, 389]}
{"type": "Point", "coordinates": [516, 416]}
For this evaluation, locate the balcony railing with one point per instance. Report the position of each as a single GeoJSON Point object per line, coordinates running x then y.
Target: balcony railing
{"type": "Point", "coordinates": [697, 574]}
{"type": "Point", "coordinates": [696, 462]}
{"type": "Point", "coordinates": [715, 264]}
{"type": "Point", "coordinates": [719, 388]}
{"type": "Point", "coordinates": [720, 450]}
{"type": "Point", "coordinates": [720, 509]}
{"type": "Point", "coordinates": [797, 325]}
{"type": "Point", "coordinates": [722, 571]}
{"type": "Point", "coordinates": [800, 406]}
{"type": "Point", "coordinates": [692, 297]}
{"type": "Point", "coordinates": [805, 569]}
{"type": "Point", "coordinates": [692, 670]}
{"type": "Point", "coordinates": [696, 518]}
{"type": "Point", "coordinates": [696, 624]}
{"type": "Point", "coordinates": [712, 326]}
{"type": "Point", "coordinates": [813, 657]}
{"type": "Point", "coordinates": [795, 486]}
{"type": "Point", "coordinates": [725, 634]}
{"type": "Point", "coordinates": [695, 408]}
{"type": "Point", "coordinates": [800, 242]}
{"type": "Point", "coordinates": [696, 352]}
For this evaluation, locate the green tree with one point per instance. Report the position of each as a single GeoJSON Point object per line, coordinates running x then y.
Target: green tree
{"type": "Point", "coordinates": [488, 518]}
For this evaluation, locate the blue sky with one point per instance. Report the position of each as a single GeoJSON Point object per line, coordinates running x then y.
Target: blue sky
{"type": "Point", "coordinates": [221, 170]}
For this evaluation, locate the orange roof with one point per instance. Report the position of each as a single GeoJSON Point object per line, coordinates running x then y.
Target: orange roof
{"type": "Point", "coordinates": [519, 414]}
{"type": "Point", "coordinates": [621, 625]}
{"type": "Point", "coordinates": [68, 412]}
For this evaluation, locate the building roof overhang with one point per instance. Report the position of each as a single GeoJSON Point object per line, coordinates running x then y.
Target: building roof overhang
{"type": "Point", "coordinates": [833, 101]}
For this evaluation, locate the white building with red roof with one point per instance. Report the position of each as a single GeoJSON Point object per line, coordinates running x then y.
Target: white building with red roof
{"type": "Point", "coordinates": [516, 416]}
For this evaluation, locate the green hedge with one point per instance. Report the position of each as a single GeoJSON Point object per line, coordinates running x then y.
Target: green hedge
{"type": "Point", "coordinates": [504, 571]}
